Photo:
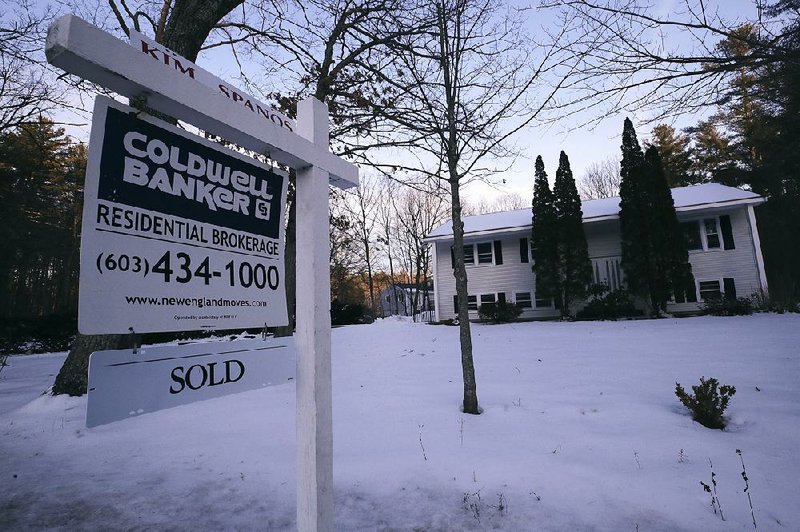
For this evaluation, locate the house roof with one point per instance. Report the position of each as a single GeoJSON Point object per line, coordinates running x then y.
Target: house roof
{"type": "Point", "coordinates": [694, 197]}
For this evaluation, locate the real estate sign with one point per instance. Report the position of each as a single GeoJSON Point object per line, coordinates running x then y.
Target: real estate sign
{"type": "Point", "coordinates": [178, 233]}
{"type": "Point", "coordinates": [123, 384]}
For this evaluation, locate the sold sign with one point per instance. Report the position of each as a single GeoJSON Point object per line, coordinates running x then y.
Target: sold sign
{"type": "Point", "coordinates": [124, 384]}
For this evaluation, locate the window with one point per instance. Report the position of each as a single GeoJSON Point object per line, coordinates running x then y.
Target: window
{"type": "Point", "coordinates": [708, 233]}
{"type": "Point", "coordinates": [523, 251]}
{"type": "Point", "coordinates": [388, 299]}
{"type": "Point", "coordinates": [544, 302]}
{"type": "Point", "coordinates": [691, 232]}
{"type": "Point", "coordinates": [523, 299]}
{"type": "Point", "coordinates": [472, 303]}
{"type": "Point", "coordinates": [498, 252]}
{"type": "Point", "coordinates": [488, 299]}
{"type": "Point", "coordinates": [712, 233]}
{"type": "Point", "coordinates": [727, 232]}
{"type": "Point", "coordinates": [485, 253]}
{"type": "Point", "coordinates": [469, 254]}
{"type": "Point", "coordinates": [710, 290]}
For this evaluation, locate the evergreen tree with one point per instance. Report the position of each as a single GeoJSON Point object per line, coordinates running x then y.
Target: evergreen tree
{"type": "Point", "coordinates": [712, 156]}
{"type": "Point", "coordinates": [669, 266]}
{"type": "Point", "coordinates": [575, 271]}
{"type": "Point", "coordinates": [633, 219]}
{"type": "Point", "coordinates": [654, 255]}
{"type": "Point", "coordinates": [673, 147]}
{"type": "Point", "coordinates": [41, 175]}
{"type": "Point", "coordinates": [544, 238]}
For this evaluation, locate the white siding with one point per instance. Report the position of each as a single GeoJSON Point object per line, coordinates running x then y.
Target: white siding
{"type": "Point", "coordinates": [604, 247]}
{"type": "Point", "coordinates": [602, 239]}
{"type": "Point", "coordinates": [510, 277]}
{"type": "Point", "coordinates": [716, 264]}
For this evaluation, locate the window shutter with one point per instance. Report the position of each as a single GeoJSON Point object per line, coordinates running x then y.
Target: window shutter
{"type": "Point", "coordinates": [501, 297]}
{"type": "Point", "coordinates": [691, 291]}
{"type": "Point", "coordinates": [452, 258]}
{"type": "Point", "coordinates": [727, 232]}
{"type": "Point", "coordinates": [523, 250]}
{"type": "Point", "coordinates": [729, 286]}
{"type": "Point", "coordinates": [680, 296]}
{"type": "Point", "coordinates": [455, 303]}
{"type": "Point", "coordinates": [498, 252]}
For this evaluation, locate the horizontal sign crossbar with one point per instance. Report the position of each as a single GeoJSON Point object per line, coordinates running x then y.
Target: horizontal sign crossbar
{"type": "Point", "coordinates": [82, 49]}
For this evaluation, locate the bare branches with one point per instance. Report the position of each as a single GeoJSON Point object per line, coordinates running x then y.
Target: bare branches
{"type": "Point", "coordinates": [601, 180]}
{"type": "Point", "coordinates": [666, 64]}
{"type": "Point", "coordinates": [28, 88]}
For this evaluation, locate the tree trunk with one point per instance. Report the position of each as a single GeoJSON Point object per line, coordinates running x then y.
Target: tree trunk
{"type": "Point", "coordinates": [460, 272]}
{"type": "Point", "coordinates": [73, 377]}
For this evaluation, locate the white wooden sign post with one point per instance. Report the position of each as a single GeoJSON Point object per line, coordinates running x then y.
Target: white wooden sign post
{"type": "Point", "coordinates": [169, 84]}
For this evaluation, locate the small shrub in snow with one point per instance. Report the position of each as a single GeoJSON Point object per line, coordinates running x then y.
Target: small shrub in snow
{"type": "Point", "coordinates": [500, 312]}
{"type": "Point", "coordinates": [763, 302]}
{"type": "Point", "coordinates": [607, 305]}
{"type": "Point", "coordinates": [708, 402]}
{"type": "Point", "coordinates": [719, 306]}
{"type": "Point", "coordinates": [349, 313]}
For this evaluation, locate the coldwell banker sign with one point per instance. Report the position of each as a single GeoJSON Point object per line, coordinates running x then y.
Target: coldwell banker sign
{"type": "Point", "coordinates": [178, 233]}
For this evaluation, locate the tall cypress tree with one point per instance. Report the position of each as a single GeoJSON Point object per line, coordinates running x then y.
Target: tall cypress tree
{"type": "Point", "coordinates": [654, 255]}
{"type": "Point", "coordinates": [633, 216]}
{"type": "Point", "coordinates": [544, 238]}
{"type": "Point", "coordinates": [573, 253]}
{"type": "Point", "coordinates": [669, 261]}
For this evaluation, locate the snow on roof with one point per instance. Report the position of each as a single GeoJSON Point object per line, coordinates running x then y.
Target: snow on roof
{"type": "Point", "coordinates": [685, 198]}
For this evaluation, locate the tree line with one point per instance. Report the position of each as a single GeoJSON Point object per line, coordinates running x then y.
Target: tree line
{"type": "Point", "coordinates": [41, 198]}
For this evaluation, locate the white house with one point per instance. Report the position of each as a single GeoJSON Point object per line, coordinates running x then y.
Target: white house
{"type": "Point", "coordinates": [718, 221]}
{"type": "Point", "coordinates": [398, 299]}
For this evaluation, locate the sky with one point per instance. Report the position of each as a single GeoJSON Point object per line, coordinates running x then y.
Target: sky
{"type": "Point", "coordinates": [583, 145]}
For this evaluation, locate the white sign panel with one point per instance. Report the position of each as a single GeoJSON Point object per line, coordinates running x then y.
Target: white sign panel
{"type": "Point", "coordinates": [123, 384]}
{"type": "Point", "coordinates": [169, 59]}
{"type": "Point", "coordinates": [178, 233]}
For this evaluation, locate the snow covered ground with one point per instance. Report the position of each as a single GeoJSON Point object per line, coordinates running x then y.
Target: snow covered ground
{"type": "Point", "coordinates": [581, 430]}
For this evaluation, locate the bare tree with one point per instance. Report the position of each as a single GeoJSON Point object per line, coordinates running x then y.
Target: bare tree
{"type": "Point", "coordinates": [28, 87]}
{"type": "Point", "coordinates": [418, 212]}
{"type": "Point", "coordinates": [362, 207]}
{"type": "Point", "coordinates": [509, 201]}
{"type": "Point", "coordinates": [465, 90]}
{"type": "Point", "coordinates": [328, 49]}
{"type": "Point", "coordinates": [667, 64]}
{"type": "Point", "coordinates": [346, 253]}
{"type": "Point", "coordinates": [386, 230]}
{"type": "Point", "coordinates": [600, 180]}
